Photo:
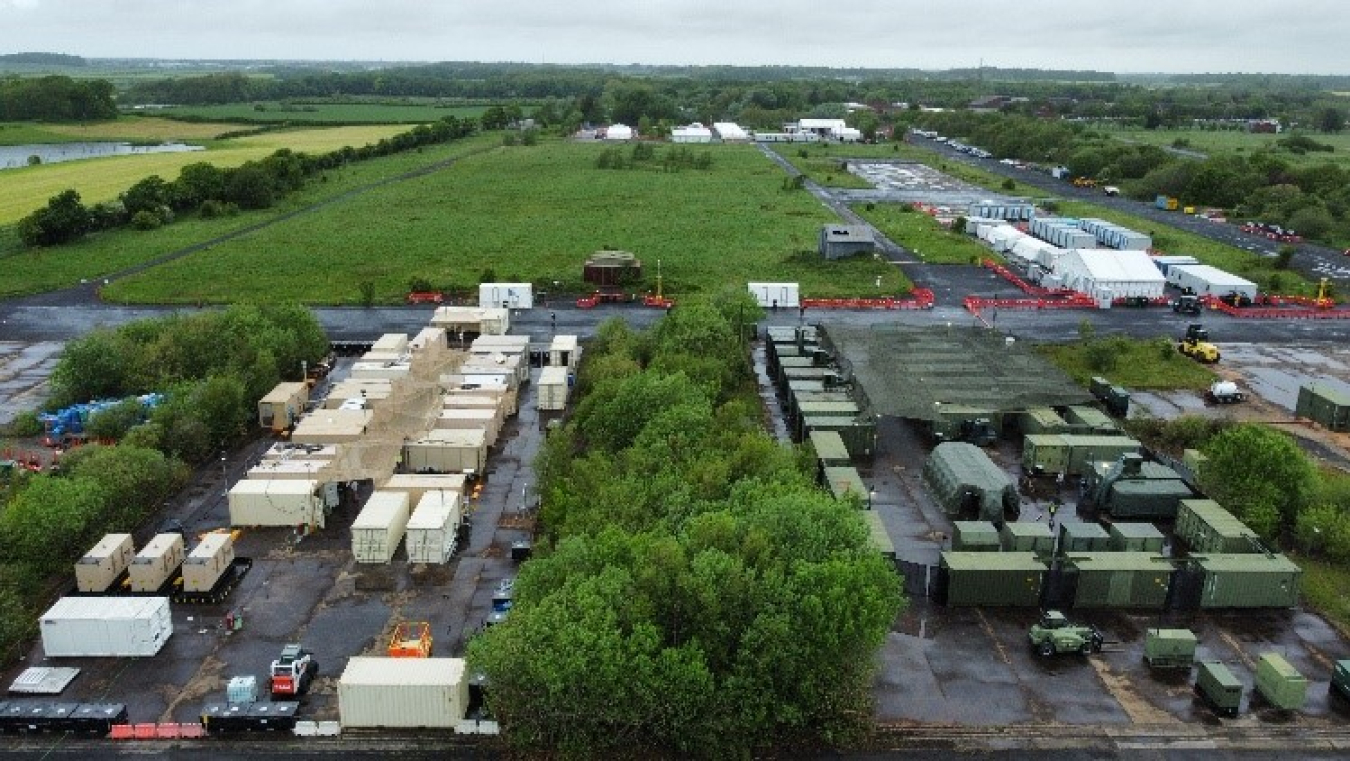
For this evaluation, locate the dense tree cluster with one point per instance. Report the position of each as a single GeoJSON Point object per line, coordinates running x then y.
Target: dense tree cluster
{"type": "Point", "coordinates": [56, 98]}
{"type": "Point", "coordinates": [702, 596]}
{"type": "Point", "coordinates": [212, 191]}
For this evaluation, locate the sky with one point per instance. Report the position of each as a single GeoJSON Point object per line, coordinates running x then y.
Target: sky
{"type": "Point", "coordinates": [1125, 36]}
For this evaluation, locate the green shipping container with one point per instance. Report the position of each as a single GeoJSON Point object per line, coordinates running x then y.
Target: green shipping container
{"type": "Point", "coordinates": [1169, 648]}
{"type": "Point", "coordinates": [975, 536]}
{"type": "Point", "coordinates": [1324, 404]}
{"type": "Point", "coordinates": [1040, 420]}
{"type": "Point", "coordinates": [846, 410]}
{"type": "Point", "coordinates": [1248, 581]}
{"type": "Point", "coordinates": [880, 538]}
{"type": "Point", "coordinates": [1206, 527]}
{"type": "Point", "coordinates": [1145, 499]}
{"type": "Point", "coordinates": [1027, 537]}
{"type": "Point", "coordinates": [1194, 461]}
{"type": "Point", "coordinates": [843, 481]}
{"type": "Point", "coordinates": [1217, 685]}
{"type": "Point", "coordinates": [1136, 537]}
{"type": "Point", "coordinates": [1009, 579]}
{"type": "Point", "coordinates": [1121, 580]}
{"type": "Point", "coordinates": [860, 436]}
{"type": "Point", "coordinates": [830, 450]}
{"type": "Point", "coordinates": [798, 398]}
{"type": "Point", "coordinates": [805, 387]}
{"type": "Point", "coordinates": [1072, 455]}
{"type": "Point", "coordinates": [1083, 537]}
{"type": "Point", "coordinates": [1280, 683]}
{"type": "Point", "coordinates": [1090, 421]}
{"type": "Point", "coordinates": [1340, 678]}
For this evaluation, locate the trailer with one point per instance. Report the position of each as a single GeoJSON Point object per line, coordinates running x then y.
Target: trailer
{"type": "Point", "coordinates": [60, 716]}
{"type": "Point", "coordinates": [265, 716]}
{"type": "Point", "coordinates": [222, 587]}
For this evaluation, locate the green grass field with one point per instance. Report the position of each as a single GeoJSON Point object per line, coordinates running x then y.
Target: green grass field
{"type": "Point", "coordinates": [28, 188]}
{"type": "Point", "coordinates": [922, 234]}
{"type": "Point", "coordinates": [1242, 143]}
{"type": "Point", "coordinates": [37, 270]}
{"type": "Point", "coordinates": [319, 113]}
{"type": "Point", "coordinates": [130, 129]}
{"type": "Point", "coordinates": [531, 214]}
{"type": "Point", "coordinates": [1174, 241]}
{"type": "Point", "coordinates": [1154, 364]}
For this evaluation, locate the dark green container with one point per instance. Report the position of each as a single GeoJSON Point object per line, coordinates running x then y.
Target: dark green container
{"type": "Point", "coordinates": [1217, 685]}
{"type": "Point", "coordinates": [1324, 404]}
{"type": "Point", "coordinates": [1027, 537]}
{"type": "Point", "coordinates": [830, 450]}
{"type": "Point", "coordinates": [843, 481]}
{"type": "Point", "coordinates": [1083, 537]}
{"type": "Point", "coordinates": [1008, 579]}
{"type": "Point", "coordinates": [859, 435]}
{"type": "Point", "coordinates": [1206, 527]}
{"type": "Point", "coordinates": [1136, 537]}
{"type": "Point", "coordinates": [1134, 580]}
{"type": "Point", "coordinates": [880, 538]}
{"type": "Point", "coordinates": [1248, 581]}
{"type": "Point", "coordinates": [975, 536]}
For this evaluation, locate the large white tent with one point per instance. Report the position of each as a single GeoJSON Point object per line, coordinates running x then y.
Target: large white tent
{"type": "Point", "coordinates": [1096, 271]}
{"type": "Point", "coordinates": [1003, 238]}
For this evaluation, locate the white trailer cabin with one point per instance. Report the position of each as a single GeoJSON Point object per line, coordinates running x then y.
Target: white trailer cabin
{"type": "Point", "coordinates": [770, 295]}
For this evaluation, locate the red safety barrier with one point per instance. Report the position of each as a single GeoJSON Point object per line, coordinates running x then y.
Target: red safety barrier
{"type": "Point", "coordinates": [121, 732]}
{"type": "Point", "coordinates": [144, 731]}
{"type": "Point", "coordinates": [425, 297]}
{"type": "Point", "coordinates": [919, 298]}
{"type": "Point", "coordinates": [165, 731]}
{"type": "Point", "coordinates": [168, 731]}
{"type": "Point", "coordinates": [1280, 313]}
{"type": "Point", "coordinates": [191, 731]}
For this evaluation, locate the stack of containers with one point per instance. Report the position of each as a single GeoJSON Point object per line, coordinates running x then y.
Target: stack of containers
{"type": "Point", "coordinates": [156, 563]}
{"type": "Point", "coordinates": [433, 526]}
{"type": "Point", "coordinates": [104, 562]}
{"type": "Point", "coordinates": [487, 421]}
{"type": "Point", "coordinates": [378, 529]}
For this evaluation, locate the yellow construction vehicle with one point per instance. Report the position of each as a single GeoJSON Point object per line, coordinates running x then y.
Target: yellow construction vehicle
{"type": "Point", "coordinates": [1195, 344]}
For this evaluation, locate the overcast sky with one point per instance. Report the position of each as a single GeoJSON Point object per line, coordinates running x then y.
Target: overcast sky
{"type": "Point", "coordinates": [1294, 36]}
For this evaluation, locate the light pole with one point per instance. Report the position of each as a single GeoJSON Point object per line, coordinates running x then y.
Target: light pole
{"type": "Point", "coordinates": [224, 474]}
{"type": "Point", "coordinates": [871, 498]}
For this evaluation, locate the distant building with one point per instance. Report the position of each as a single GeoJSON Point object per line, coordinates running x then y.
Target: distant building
{"type": "Point", "coordinates": [693, 133]}
{"type": "Point", "coordinates": [989, 103]}
{"type": "Point", "coordinates": [1270, 126]}
{"type": "Point", "coordinates": [842, 241]}
{"type": "Point", "coordinates": [730, 132]}
{"type": "Point", "coordinates": [619, 132]}
{"type": "Point", "coordinates": [825, 129]}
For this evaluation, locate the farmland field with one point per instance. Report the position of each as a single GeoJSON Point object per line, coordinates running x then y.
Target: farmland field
{"type": "Point", "coordinates": [1242, 143]}
{"type": "Point", "coordinates": [32, 271]}
{"type": "Point", "coordinates": [28, 188]}
{"type": "Point", "coordinates": [129, 129]}
{"type": "Point", "coordinates": [531, 214]}
{"type": "Point", "coordinates": [923, 235]}
{"type": "Point", "coordinates": [318, 113]}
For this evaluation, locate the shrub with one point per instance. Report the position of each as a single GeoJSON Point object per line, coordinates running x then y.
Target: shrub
{"type": "Point", "coordinates": [146, 220]}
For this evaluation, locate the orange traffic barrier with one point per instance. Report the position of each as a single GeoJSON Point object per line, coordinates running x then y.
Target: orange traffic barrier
{"type": "Point", "coordinates": [121, 732]}
{"type": "Point", "coordinates": [144, 731]}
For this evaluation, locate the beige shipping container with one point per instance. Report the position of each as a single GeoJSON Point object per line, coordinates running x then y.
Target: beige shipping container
{"type": "Point", "coordinates": [405, 693]}
{"type": "Point", "coordinates": [390, 370]}
{"type": "Point", "coordinates": [291, 469]}
{"type": "Point", "coordinates": [553, 388]}
{"type": "Point", "coordinates": [156, 562]}
{"type": "Point", "coordinates": [332, 427]}
{"type": "Point", "coordinates": [372, 390]}
{"type": "Point", "coordinates": [378, 528]}
{"type": "Point", "coordinates": [487, 420]}
{"type": "Point", "coordinates": [433, 526]}
{"type": "Point", "coordinates": [395, 342]}
{"type": "Point", "coordinates": [448, 450]}
{"type": "Point", "coordinates": [207, 561]}
{"type": "Point", "coordinates": [472, 320]}
{"type": "Point", "coordinates": [505, 344]}
{"type": "Point", "coordinates": [104, 562]}
{"type": "Point", "coordinates": [282, 406]}
{"type": "Point", "coordinates": [428, 337]}
{"type": "Point", "coordinates": [276, 502]}
{"type": "Point", "coordinates": [564, 351]}
{"type": "Point", "coordinates": [286, 450]}
{"type": "Point", "coordinates": [417, 484]}
{"type": "Point", "coordinates": [516, 365]}
{"type": "Point", "coordinates": [385, 356]}
{"type": "Point", "coordinates": [460, 384]}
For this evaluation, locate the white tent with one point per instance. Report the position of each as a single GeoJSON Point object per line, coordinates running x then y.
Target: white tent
{"type": "Point", "coordinates": [1204, 280]}
{"type": "Point", "coordinates": [693, 133]}
{"type": "Point", "coordinates": [1003, 238]}
{"type": "Point", "coordinates": [618, 132]}
{"type": "Point", "coordinates": [1031, 250]}
{"type": "Point", "coordinates": [1122, 273]}
{"type": "Point", "coordinates": [730, 132]}
{"type": "Point", "coordinates": [979, 226]}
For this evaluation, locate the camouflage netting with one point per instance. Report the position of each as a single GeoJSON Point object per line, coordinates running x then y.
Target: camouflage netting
{"type": "Point", "coordinates": [911, 371]}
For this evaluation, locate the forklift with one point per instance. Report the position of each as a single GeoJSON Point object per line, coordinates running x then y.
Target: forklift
{"type": "Point", "coordinates": [292, 673]}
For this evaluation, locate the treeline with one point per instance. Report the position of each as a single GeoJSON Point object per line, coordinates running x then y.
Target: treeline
{"type": "Point", "coordinates": [1313, 199]}
{"type": "Point", "coordinates": [212, 368]}
{"type": "Point", "coordinates": [695, 594]}
{"type": "Point", "coordinates": [211, 191]}
{"type": "Point", "coordinates": [56, 98]}
{"type": "Point", "coordinates": [42, 59]}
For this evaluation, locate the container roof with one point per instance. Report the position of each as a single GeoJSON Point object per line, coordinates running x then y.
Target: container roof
{"type": "Point", "coordinates": [397, 672]}
{"type": "Point", "coordinates": [1084, 530]}
{"type": "Point", "coordinates": [993, 561]}
{"type": "Point", "coordinates": [970, 465]}
{"type": "Point", "coordinates": [1246, 563]}
{"type": "Point", "coordinates": [1027, 528]}
{"type": "Point", "coordinates": [843, 479]}
{"type": "Point", "coordinates": [105, 607]}
{"type": "Point", "coordinates": [1136, 530]}
{"type": "Point", "coordinates": [829, 444]}
{"type": "Point", "coordinates": [1120, 561]}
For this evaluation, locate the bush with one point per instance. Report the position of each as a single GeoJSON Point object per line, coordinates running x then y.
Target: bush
{"type": "Point", "coordinates": [26, 425]}
{"type": "Point", "coordinates": [146, 220]}
{"type": "Point", "coordinates": [211, 209]}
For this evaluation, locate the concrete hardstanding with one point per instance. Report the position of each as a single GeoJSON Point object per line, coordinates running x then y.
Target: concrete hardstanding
{"type": "Point", "coordinates": [207, 561]}
{"type": "Point", "coordinates": [1280, 683]}
{"type": "Point", "coordinates": [403, 692]}
{"type": "Point", "coordinates": [1121, 580]}
{"type": "Point", "coordinates": [104, 562]}
{"type": "Point", "coordinates": [82, 627]}
{"type": "Point", "coordinates": [1011, 579]}
{"type": "Point", "coordinates": [156, 562]}
{"type": "Point", "coordinates": [379, 527]}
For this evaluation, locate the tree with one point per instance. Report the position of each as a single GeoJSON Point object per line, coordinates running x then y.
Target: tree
{"type": "Point", "coordinates": [196, 184]}
{"type": "Point", "coordinates": [250, 186]}
{"type": "Point", "coordinates": [147, 195]}
{"type": "Point", "coordinates": [63, 220]}
{"type": "Point", "coordinates": [1259, 474]}
{"type": "Point", "coordinates": [1331, 119]}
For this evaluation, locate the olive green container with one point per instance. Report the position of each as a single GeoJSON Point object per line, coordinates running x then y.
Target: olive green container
{"type": "Point", "coordinates": [1136, 537]}
{"type": "Point", "coordinates": [830, 450]}
{"type": "Point", "coordinates": [1083, 537]}
{"type": "Point", "coordinates": [975, 536]}
{"type": "Point", "coordinates": [1248, 581]}
{"type": "Point", "coordinates": [1170, 648]}
{"type": "Point", "coordinates": [1027, 537]}
{"type": "Point", "coordinates": [1206, 527]}
{"type": "Point", "coordinates": [1007, 579]}
{"type": "Point", "coordinates": [843, 481]}
{"type": "Point", "coordinates": [1133, 580]}
{"type": "Point", "coordinates": [1280, 683]}
{"type": "Point", "coordinates": [1217, 685]}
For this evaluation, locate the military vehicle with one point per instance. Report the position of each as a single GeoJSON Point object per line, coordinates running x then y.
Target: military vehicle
{"type": "Point", "coordinates": [1055, 634]}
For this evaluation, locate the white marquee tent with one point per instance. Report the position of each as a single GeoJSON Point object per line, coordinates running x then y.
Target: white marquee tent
{"type": "Point", "coordinates": [1121, 273]}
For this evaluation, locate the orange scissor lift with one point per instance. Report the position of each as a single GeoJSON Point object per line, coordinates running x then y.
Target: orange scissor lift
{"type": "Point", "coordinates": [412, 639]}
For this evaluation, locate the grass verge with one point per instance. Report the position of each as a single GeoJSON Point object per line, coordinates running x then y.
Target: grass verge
{"type": "Point", "coordinates": [922, 234]}
{"type": "Point", "coordinates": [1324, 586]}
{"type": "Point", "coordinates": [1152, 364]}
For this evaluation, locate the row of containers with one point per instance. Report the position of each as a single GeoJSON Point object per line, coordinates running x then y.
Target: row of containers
{"type": "Point", "coordinates": [1214, 561]}
{"type": "Point", "coordinates": [828, 414]}
{"type": "Point", "coordinates": [1279, 684]}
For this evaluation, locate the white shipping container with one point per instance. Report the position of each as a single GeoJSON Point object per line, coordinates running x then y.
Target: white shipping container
{"type": "Point", "coordinates": [506, 295]}
{"type": "Point", "coordinates": [332, 427]}
{"type": "Point", "coordinates": [447, 450]}
{"type": "Point", "coordinates": [390, 370]}
{"type": "Point", "coordinates": [518, 365]}
{"type": "Point", "coordinates": [769, 295]}
{"type": "Point", "coordinates": [207, 561]}
{"type": "Point", "coordinates": [89, 627]}
{"type": "Point", "coordinates": [276, 502]}
{"type": "Point", "coordinates": [286, 450]}
{"type": "Point", "coordinates": [428, 338]}
{"type": "Point", "coordinates": [391, 342]}
{"type": "Point", "coordinates": [553, 388]}
{"type": "Point", "coordinates": [432, 527]}
{"type": "Point", "coordinates": [104, 562]}
{"type": "Point", "coordinates": [294, 469]}
{"type": "Point", "coordinates": [156, 562]}
{"type": "Point", "coordinates": [1204, 280]}
{"type": "Point", "coordinates": [417, 484]}
{"type": "Point", "coordinates": [505, 344]}
{"type": "Point", "coordinates": [379, 527]}
{"type": "Point", "coordinates": [564, 351]}
{"type": "Point", "coordinates": [403, 693]}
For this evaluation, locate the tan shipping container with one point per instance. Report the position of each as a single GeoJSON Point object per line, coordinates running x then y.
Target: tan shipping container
{"type": "Point", "coordinates": [156, 562]}
{"type": "Point", "coordinates": [372, 390]}
{"type": "Point", "coordinates": [432, 527]}
{"type": "Point", "coordinates": [472, 320]}
{"type": "Point", "coordinates": [282, 406]}
{"type": "Point", "coordinates": [505, 344]}
{"type": "Point", "coordinates": [417, 484]}
{"type": "Point", "coordinates": [285, 450]}
{"type": "Point", "coordinates": [287, 469]}
{"type": "Point", "coordinates": [564, 351]}
{"type": "Point", "coordinates": [207, 561]}
{"type": "Point", "coordinates": [448, 450]}
{"type": "Point", "coordinates": [332, 427]}
{"type": "Point", "coordinates": [471, 419]}
{"type": "Point", "coordinates": [395, 342]}
{"type": "Point", "coordinates": [408, 693]}
{"type": "Point", "coordinates": [104, 562]}
{"type": "Point", "coordinates": [517, 365]}
{"type": "Point", "coordinates": [276, 502]}
{"type": "Point", "coordinates": [378, 528]}
{"type": "Point", "coordinates": [553, 388]}
{"type": "Point", "coordinates": [428, 337]}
